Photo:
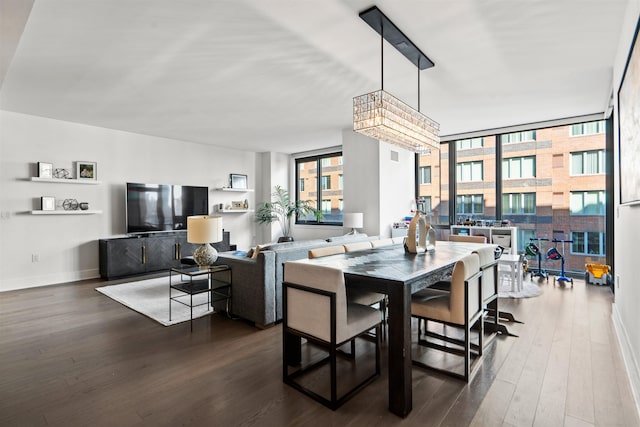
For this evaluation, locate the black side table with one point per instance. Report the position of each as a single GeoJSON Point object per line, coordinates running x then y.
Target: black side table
{"type": "Point", "coordinates": [196, 280]}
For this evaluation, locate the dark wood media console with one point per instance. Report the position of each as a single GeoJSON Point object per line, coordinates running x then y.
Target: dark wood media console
{"type": "Point", "coordinates": [140, 254]}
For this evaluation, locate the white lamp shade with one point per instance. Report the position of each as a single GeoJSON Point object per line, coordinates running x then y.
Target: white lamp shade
{"type": "Point", "coordinates": [353, 220]}
{"type": "Point", "coordinates": [204, 229]}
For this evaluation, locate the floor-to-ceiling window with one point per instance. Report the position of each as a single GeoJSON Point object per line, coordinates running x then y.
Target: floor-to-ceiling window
{"type": "Point", "coordinates": [548, 182]}
{"type": "Point", "coordinates": [475, 195]}
{"type": "Point", "coordinates": [433, 184]}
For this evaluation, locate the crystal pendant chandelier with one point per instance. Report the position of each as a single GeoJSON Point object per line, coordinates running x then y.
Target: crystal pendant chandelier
{"type": "Point", "coordinates": [382, 116]}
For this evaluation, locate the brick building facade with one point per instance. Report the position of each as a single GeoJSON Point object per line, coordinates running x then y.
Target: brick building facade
{"type": "Point", "coordinates": [553, 186]}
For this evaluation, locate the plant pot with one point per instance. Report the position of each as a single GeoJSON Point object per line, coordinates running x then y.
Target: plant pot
{"type": "Point", "coordinates": [285, 239]}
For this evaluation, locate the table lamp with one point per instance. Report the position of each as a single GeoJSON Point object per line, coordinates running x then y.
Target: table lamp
{"type": "Point", "coordinates": [204, 229]}
{"type": "Point", "coordinates": [353, 221]}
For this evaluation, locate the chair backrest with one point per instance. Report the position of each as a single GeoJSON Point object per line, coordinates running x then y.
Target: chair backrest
{"type": "Point", "coordinates": [326, 251]}
{"type": "Point", "coordinates": [486, 257]}
{"type": "Point", "coordinates": [310, 312]}
{"type": "Point", "coordinates": [382, 242]}
{"type": "Point", "coordinates": [462, 271]}
{"type": "Point", "coordinates": [358, 246]}
{"type": "Point", "coordinates": [469, 239]}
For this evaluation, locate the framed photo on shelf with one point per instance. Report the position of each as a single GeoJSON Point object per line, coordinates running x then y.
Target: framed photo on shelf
{"type": "Point", "coordinates": [48, 203]}
{"type": "Point", "coordinates": [86, 170]}
{"type": "Point", "coordinates": [45, 170]}
{"type": "Point", "coordinates": [238, 181]}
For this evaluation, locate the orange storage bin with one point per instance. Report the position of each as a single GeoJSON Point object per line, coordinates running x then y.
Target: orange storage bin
{"type": "Point", "coordinates": [597, 270]}
{"type": "Point", "coordinates": [597, 274]}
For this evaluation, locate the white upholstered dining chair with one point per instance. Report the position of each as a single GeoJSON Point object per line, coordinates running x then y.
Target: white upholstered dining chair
{"type": "Point", "coordinates": [357, 246]}
{"type": "Point", "coordinates": [381, 243]}
{"type": "Point", "coordinates": [364, 297]}
{"type": "Point", "coordinates": [315, 307]}
{"type": "Point", "coordinates": [325, 251]}
{"type": "Point", "coordinates": [489, 280]}
{"type": "Point", "coordinates": [468, 239]}
{"type": "Point", "coordinates": [461, 308]}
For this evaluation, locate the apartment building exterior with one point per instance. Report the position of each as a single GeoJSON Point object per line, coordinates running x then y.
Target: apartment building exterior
{"type": "Point", "coordinates": [552, 183]}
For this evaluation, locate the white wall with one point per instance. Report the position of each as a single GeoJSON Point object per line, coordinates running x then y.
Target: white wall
{"type": "Point", "coordinates": [273, 170]}
{"type": "Point", "coordinates": [627, 234]}
{"type": "Point", "coordinates": [361, 170]}
{"type": "Point", "coordinates": [375, 184]}
{"type": "Point", "coordinates": [397, 186]}
{"type": "Point", "coordinates": [67, 245]}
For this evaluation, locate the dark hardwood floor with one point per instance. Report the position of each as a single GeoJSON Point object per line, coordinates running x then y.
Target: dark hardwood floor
{"type": "Point", "coordinates": [71, 356]}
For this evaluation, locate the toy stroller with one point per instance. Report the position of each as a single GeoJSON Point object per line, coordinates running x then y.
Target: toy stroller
{"type": "Point", "coordinates": [554, 255]}
{"type": "Point", "coordinates": [533, 250]}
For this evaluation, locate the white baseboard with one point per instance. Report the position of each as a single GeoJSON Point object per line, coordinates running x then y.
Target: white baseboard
{"type": "Point", "coordinates": [630, 361]}
{"type": "Point", "coordinates": [48, 279]}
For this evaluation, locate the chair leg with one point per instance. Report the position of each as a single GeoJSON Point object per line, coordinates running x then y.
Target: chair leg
{"type": "Point", "coordinates": [383, 307]}
{"type": "Point", "coordinates": [378, 344]}
{"type": "Point", "coordinates": [481, 336]}
{"type": "Point", "coordinates": [334, 386]}
{"type": "Point", "coordinates": [467, 351]}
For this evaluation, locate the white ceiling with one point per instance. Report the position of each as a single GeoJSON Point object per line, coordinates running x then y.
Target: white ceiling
{"type": "Point", "coordinates": [276, 75]}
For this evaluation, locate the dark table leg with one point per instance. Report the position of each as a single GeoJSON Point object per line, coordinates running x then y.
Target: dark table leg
{"type": "Point", "coordinates": [400, 392]}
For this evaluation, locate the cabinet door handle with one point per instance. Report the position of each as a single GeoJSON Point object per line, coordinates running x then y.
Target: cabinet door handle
{"type": "Point", "coordinates": [179, 251]}
{"type": "Point", "coordinates": [144, 254]}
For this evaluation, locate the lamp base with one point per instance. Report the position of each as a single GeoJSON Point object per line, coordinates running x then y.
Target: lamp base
{"type": "Point", "coordinates": [353, 232]}
{"type": "Point", "coordinates": [205, 255]}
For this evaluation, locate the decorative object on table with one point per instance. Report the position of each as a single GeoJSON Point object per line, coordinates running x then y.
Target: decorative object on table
{"type": "Point", "coordinates": [382, 116]}
{"type": "Point", "coordinates": [421, 204]}
{"type": "Point", "coordinates": [238, 181]}
{"type": "Point", "coordinates": [45, 170]}
{"type": "Point", "coordinates": [431, 238]}
{"type": "Point", "coordinates": [282, 209]}
{"type": "Point", "coordinates": [204, 229]}
{"type": "Point", "coordinates": [353, 221]}
{"type": "Point", "coordinates": [70, 204]}
{"type": "Point", "coordinates": [48, 203]}
{"type": "Point", "coordinates": [416, 240]}
{"type": "Point", "coordinates": [62, 173]}
{"type": "Point", "coordinates": [86, 170]}
{"type": "Point", "coordinates": [629, 124]}
{"type": "Point", "coordinates": [84, 206]}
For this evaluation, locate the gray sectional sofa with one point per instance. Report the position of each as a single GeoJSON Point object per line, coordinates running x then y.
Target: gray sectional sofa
{"type": "Point", "coordinates": [257, 280]}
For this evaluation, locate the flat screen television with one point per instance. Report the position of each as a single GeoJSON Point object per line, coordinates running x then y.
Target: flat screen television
{"type": "Point", "coordinates": [163, 207]}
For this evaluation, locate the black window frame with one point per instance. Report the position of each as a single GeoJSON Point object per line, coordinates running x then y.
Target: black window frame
{"type": "Point", "coordinates": [318, 183]}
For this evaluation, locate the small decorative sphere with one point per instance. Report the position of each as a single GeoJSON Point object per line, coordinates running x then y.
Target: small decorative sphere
{"type": "Point", "coordinates": [61, 173]}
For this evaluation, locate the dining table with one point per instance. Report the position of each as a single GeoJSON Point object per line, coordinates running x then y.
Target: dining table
{"type": "Point", "coordinates": [398, 274]}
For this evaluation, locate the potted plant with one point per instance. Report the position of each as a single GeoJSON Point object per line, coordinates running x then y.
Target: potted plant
{"type": "Point", "coordinates": [282, 209]}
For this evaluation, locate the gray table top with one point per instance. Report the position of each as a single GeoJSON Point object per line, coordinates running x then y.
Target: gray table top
{"type": "Point", "coordinates": [393, 263]}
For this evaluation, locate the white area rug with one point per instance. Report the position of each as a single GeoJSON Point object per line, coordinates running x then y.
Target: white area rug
{"type": "Point", "coordinates": [529, 289]}
{"type": "Point", "coordinates": [151, 298]}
